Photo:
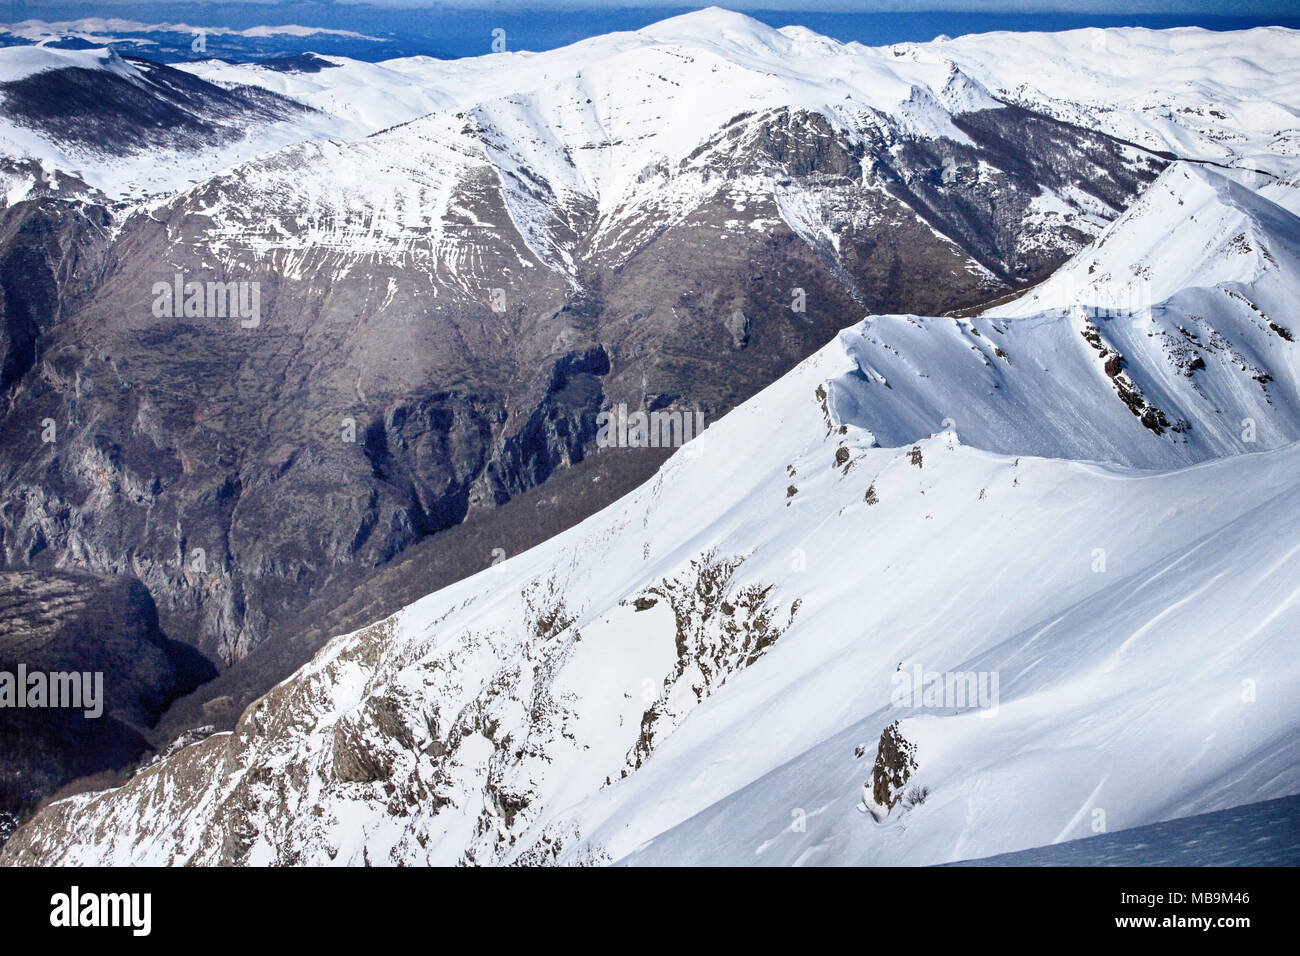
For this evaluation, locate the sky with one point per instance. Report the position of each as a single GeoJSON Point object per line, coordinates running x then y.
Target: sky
{"type": "Point", "coordinates": [34, 8]}
{"type": "Point", "coordinates": [454, 28]}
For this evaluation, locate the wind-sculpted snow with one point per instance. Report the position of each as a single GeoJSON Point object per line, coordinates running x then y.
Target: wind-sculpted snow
{"type": "Point", "coordinates": [1159, 687]}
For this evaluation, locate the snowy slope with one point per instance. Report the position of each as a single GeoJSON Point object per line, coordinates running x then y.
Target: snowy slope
{"type": "Point", "coordinates": [407, 197]}
{"type": "Point", "coordinates": [362, 97]}
{"type": "Point", "coordinates": [703, 671]}
{"type": "Point", "coordinates": [1193, 229]}
{"type": "Point", "coordinates": [483, 723]}
{"type": "Point", "coordinates": [1125, 694]}
{"type": "Point", "coordinates": [1176, 311]}
{"type": "Point", "coordinates": [1258, 834]}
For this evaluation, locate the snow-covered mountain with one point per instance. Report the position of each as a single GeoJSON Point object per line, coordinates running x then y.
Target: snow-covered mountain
{"type": "Point", "coordinates": [755, 657]}
{"type": "Point", "coordinates": [1225, 98]}
{"type": "Point", "coordinates": [93, 125]}
{"type": "Point", "coordinates": [1173, 313]}
{"type": "Point", "coordinates": [1185, 91]}
{"type": "Point", "coordinates": [599, 143]}
{"type": "Point", "coordinates": [466, 260]}
{"type": "Point", "coordinates": [1077, 256]}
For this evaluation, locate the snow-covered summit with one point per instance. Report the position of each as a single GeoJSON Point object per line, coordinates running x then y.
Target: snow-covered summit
{"type": "Point", "coordinates": [17, 62]}
{"type": "Point", "coordinates": [719, 25]}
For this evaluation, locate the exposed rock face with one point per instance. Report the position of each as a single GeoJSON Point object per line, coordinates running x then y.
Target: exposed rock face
{"type": "Point", "coordinates": [738, 325]}
{"type": "Point", "coordinates": [486, 735]}
{"type": "Point", "coordinates": [720, 630]}
{"type": "Point", "coordinates": [50, 251]}
{"type": "Point", "coordinates": [58, 623]}
{"type": "Point", "coordinates": [439, 325]}
{"type": "Point", "coordinates": [895, 761]}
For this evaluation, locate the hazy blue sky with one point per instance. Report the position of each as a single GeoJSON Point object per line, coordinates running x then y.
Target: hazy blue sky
{"type": "Point", "coordinates": [1205, 7]}
{"type": "Point", "coordinates": [465, 27]}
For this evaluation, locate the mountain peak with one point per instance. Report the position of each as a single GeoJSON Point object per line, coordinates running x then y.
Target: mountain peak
{"type": "Point", "coordinates": [18, 62]}
{"type": "Point", "coordinates": [717, 23]}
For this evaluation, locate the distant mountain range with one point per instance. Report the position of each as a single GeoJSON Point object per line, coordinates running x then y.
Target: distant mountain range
{"type": "Point", "coordinates": [239, 31]}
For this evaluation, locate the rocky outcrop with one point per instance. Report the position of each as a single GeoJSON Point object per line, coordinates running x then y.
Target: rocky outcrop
{"type": "Point", "coordinates": [720, 630]}
{"type": "Point", "coordinates": [54, 622]}
{"type": "Point", "coordinates": [895, 761]}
